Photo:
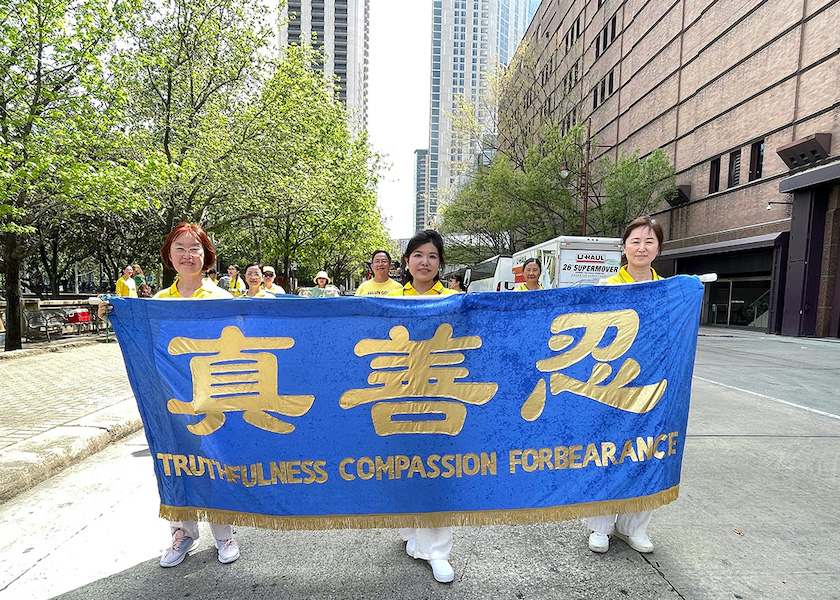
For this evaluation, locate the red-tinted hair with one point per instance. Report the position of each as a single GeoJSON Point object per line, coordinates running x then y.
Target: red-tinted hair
{"type": "Point", "coordinates": [199, 233]}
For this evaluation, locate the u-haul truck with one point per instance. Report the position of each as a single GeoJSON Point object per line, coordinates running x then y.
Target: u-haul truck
{"type": "Point", "coordinates": [570, 261]}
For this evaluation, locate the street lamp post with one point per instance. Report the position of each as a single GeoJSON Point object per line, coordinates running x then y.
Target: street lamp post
{"type": "Point", "coordinates": [585, 149]}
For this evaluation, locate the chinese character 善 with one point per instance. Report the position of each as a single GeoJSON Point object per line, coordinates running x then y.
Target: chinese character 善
{"type": "Point", "coordinates": [418, 370]}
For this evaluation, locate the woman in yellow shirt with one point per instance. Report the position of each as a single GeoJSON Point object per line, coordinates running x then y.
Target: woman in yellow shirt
{"type": "Point", "coordinates": [641, 243]}
{"type": "Point", "coordinates": [188, 251]}
{"type": "Point", "coordinates": [422, 264]}
{"type": "Point", "coordinates": [126, 286]}
{"type": "Point", "coordinates": [253, 279]}
{"type": "Point", "coordinates": [532, 270]}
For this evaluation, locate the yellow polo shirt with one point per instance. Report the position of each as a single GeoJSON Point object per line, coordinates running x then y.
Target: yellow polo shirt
{"type": "Point", "coordinates": [374, 288]}
{"type": "Point", "coordinates": [207, 291]}
{"type": "Point", "coordinates": [624, 277]}
{"type": "Point", "coordinates": [522, 288]}
{"type": "Point", "coordinates": [408, 290]}
{"type": "Point", "coordinates": [126, 288]}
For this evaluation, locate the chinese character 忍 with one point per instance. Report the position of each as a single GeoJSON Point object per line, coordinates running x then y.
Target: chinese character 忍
{"type": "Point", "coordinates": [618, 393]}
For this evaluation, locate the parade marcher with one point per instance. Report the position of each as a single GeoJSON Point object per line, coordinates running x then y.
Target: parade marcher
{"type": "Point", "coordinates": [268, 284]}
{"type": "Point", "coordinates": [422, 262]}
{"type": "Point", "coordinates": [188, 251]}
{"type": "Point", "coordinates": [532, 270]}
{"type": "Point", "coordinates": [253, 278]}
{"type": "Point", "coordinates": [322, 279]}
{"type": "Point", "coordinates": [126, 286]}
{"type": "Point", "coordinates": [232, 282]}
{"type": "Point", "coordinates": [641, 242]}
{"type": "Point", "coordinates": [139, 278]}
{"type": "Point", "coordinates": [381, 284]}
{"type": "Point", "coordinates": [456, 283]}
{"type": "Point", "coordinates": [211, 276]}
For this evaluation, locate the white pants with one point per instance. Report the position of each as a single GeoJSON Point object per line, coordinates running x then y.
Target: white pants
{"type": "Point", "coordinates": [631, 524]}
{"type": "Point", "coordinates": [220, 532]}
{"type": "Point", "coordinates": [430, 543]}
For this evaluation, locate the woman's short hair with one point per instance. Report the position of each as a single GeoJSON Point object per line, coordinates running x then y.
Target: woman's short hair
{"type": "Point", "coordinates": [254, 264]}
{"type": "Point", "coordinates": [536, 261]}
{"type": "Point", "coordinates": [196, 231]}
{"type": "Point", "coordinates": [425, 236]}
{"type": "Point", "coordinates": [655, 227]}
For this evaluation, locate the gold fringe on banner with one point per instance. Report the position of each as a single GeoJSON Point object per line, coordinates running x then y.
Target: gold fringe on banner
{"type": "Point", "coordinates": [440, 519]}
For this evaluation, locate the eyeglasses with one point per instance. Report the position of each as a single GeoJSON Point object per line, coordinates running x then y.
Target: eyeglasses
{"type": "Point", "coordinates": [380, 262]}
{"type": "Point", "coordinates": [268, 274]}
{"type": "Point", "coordinates": [194, 250]}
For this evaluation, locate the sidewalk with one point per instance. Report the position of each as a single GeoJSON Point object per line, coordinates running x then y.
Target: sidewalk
{"type": "Point", "coordinates": [61, 402]}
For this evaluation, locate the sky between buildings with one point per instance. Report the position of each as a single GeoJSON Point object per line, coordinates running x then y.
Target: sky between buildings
{"type": "Point", "coordinates": [398, 101]}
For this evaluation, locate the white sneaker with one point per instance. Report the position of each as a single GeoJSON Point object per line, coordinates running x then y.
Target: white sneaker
{"type": "Point", "coordinates": [228, 550]}
{"type": "Point", "coordinates": [409, 547]}
{"type": "Point", "coordinates": [181, 545]}
{"type": "Point", "coordinates": [640, 543]}
{"type": "Point", "coordinates": [599, 542]}
{"type": "Point", "coordinates": [442, 570]}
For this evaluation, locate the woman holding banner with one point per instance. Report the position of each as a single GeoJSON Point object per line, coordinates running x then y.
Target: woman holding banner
{"type": "Point", "coordinates": [641, 242]}
{"type": "Point", "coordinates": [422, 263]}
{"type": "Point", "coordinates": [188, 251]}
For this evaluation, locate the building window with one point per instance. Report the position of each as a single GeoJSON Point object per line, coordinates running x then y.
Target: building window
{"type": "Point", "coordinates": [734, 168]}
{"type": "Point", "coordinates": [714, 175]}
{"type": "Point", "coordinates": [756, 160]}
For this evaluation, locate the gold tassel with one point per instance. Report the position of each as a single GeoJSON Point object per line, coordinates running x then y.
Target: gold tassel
{"type": "Point", "coordinates": [439, 519]}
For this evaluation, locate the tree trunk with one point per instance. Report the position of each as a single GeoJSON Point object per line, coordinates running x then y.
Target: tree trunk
{"type": "Point", "coordinates": [13, 293]}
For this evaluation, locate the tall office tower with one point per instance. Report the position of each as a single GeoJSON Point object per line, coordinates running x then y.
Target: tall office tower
{"type": "Point", "coordinates": [341, 27]}
{"type": "Point", "coordinates": [468, 38]}
{"type": "Point", "coordinates": [421, 188]}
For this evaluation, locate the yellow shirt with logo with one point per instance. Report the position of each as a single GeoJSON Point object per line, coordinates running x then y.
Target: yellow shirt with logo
{"type": "Point", "coordinates": [237, 287]}
{"type": "Point", "coordinates": [522, 288]}
{"type": "Point", "coordinates": [126, 288]}
{"type": "Point", "coordinates": [374, 288]}
{"type": "Point", "coordinates": [408, 290]}
{"type": "Point", "coordinates": [274, 289]}
{"type": "Point", "coordinates": [624, 277]}
{"type": "Point", "coordinates": [207, 291]}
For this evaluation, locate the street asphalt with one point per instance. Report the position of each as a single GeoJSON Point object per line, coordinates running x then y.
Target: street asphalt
{"type": "Point", "coordinates": [757, 515]}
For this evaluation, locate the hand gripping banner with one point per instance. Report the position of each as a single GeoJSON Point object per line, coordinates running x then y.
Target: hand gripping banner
{"type": "Point", "coordinates": [468, 409]}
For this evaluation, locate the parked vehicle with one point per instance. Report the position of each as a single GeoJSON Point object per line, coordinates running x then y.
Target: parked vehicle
{"type": "Point", "coordinates": [491, 275]}
{"type": "Point", "coordinates": [571, 261]}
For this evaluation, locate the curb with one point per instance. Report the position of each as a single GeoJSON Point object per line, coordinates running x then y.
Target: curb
{"type": "Point", "coordinates": [26, 464]}
{"type": "Point", "coordinates": [13, 354]}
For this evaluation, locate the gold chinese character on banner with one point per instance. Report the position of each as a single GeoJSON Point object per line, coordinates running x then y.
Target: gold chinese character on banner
{"type": "Point", "coordinates": [418, 369]}
{"type": "Point", "coordinates": [236, 373]}
{"type": "Point", "coordinates": [618, 393]}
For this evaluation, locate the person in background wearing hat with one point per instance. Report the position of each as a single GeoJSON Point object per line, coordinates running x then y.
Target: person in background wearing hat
{"type": "Point", "coordinates": [322, 279]}
{"type": "Point", "coordinates": [126, 286]}
{"type": "Point", "coordinates": [268, 276]}
{"type": "Point", "coordinates": [381, 284]}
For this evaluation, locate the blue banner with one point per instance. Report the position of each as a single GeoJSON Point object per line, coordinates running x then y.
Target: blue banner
{"type": "Point", "coordinates": [381, 412]}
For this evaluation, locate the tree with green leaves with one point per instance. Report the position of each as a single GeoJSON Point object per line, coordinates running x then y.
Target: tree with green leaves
{"type": "Point", "coordinates": [58, 111]}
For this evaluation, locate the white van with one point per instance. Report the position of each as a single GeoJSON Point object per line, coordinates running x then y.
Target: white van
{"type": "Point", "coordinates": [491, 275]}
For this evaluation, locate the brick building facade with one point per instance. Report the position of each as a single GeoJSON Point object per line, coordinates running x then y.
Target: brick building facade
{"type": "Point", "coordinates": [745, 99]}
